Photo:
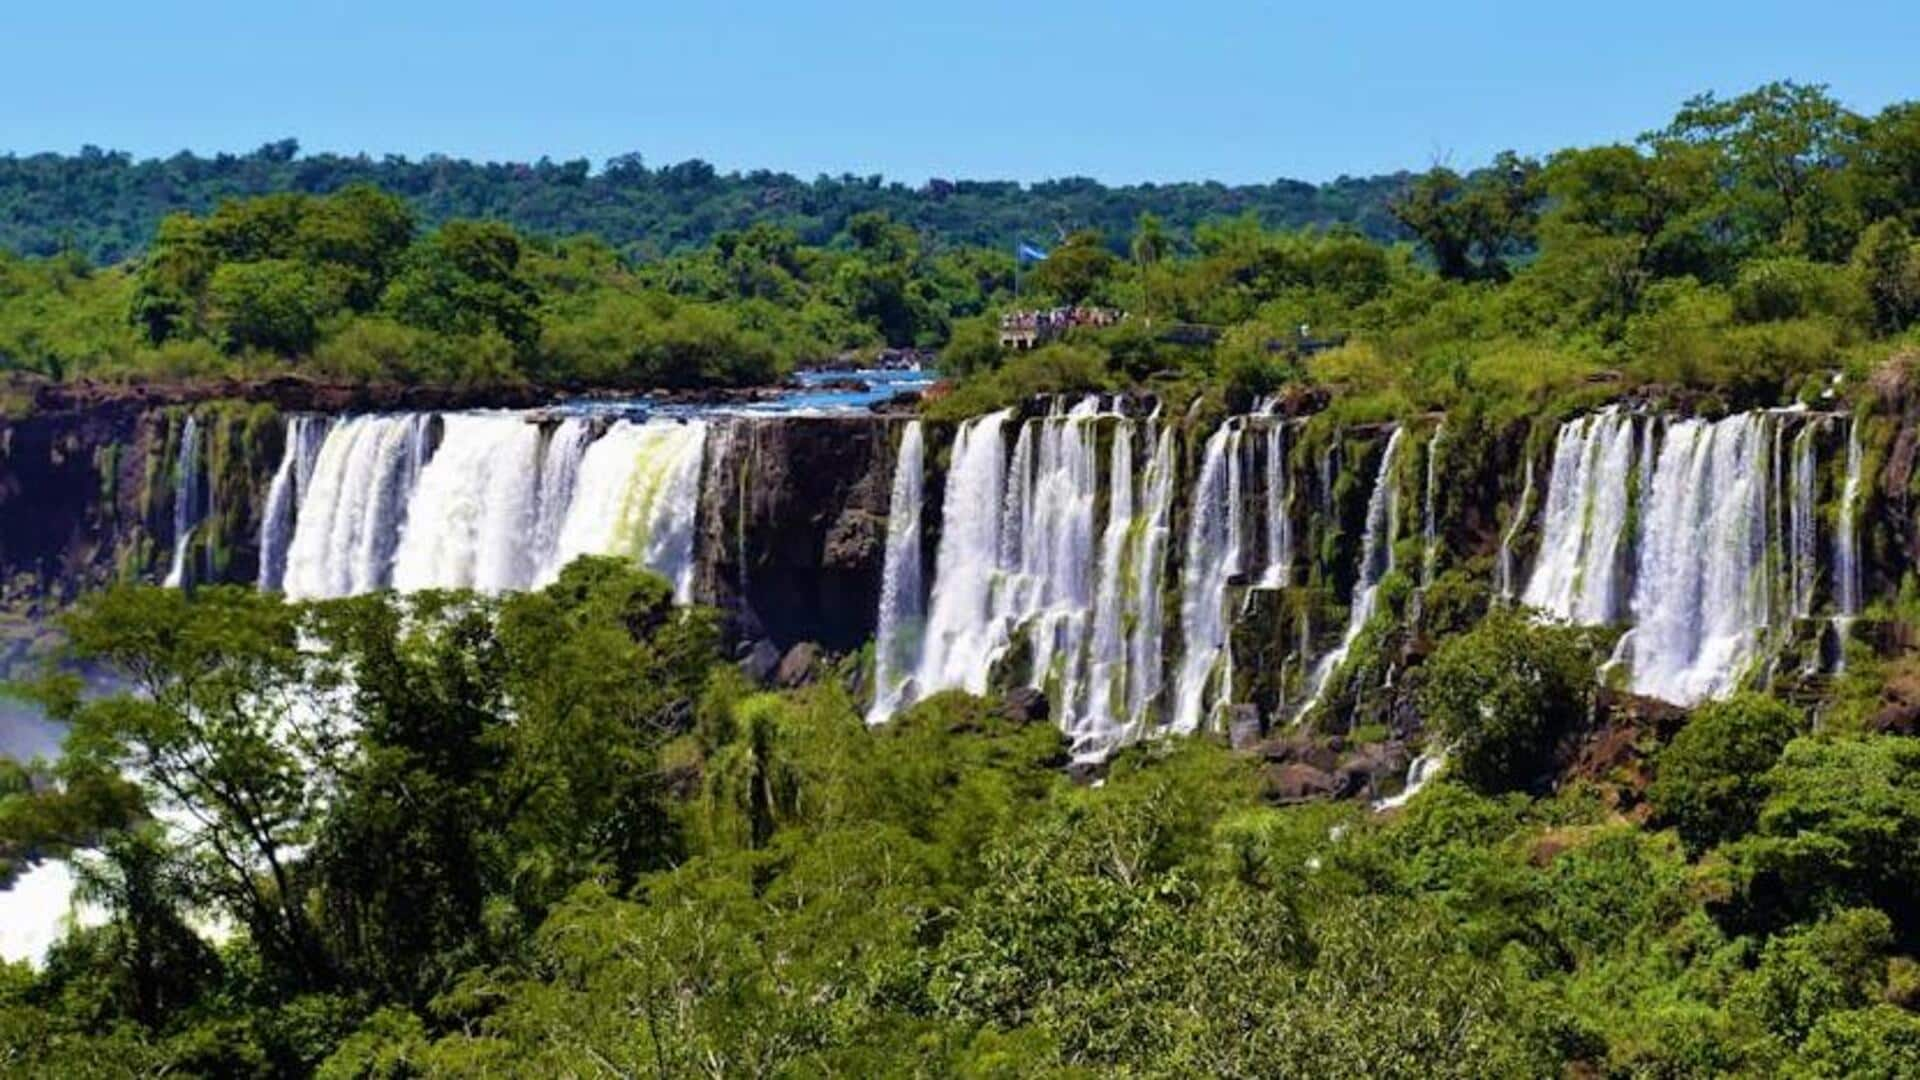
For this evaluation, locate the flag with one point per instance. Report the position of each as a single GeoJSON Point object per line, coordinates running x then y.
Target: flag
{"type": "Point", "coordinates": [1026, 252]}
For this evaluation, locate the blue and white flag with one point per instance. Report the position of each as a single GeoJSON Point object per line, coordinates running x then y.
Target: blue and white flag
{"type": "Point", "coordinates": [1026, 252]}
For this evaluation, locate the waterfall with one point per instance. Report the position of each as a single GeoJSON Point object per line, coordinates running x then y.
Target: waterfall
{"type": "Point", "coordinates": [1801, 558]}
{"type": "Point", "coordinates": [1577, 575]}
{"type": "Point", "coordinates": [636, 495]}
{"type": "Point", "coordinates": [304, 437]}
{"type": "Point", "coordinates": [1102, 726]}
{"type": "Point", "coordinates": [1213, 555]}
{"type": "Point", "coordinates": [1146, 606]}
{"type": "Point", "coordinates": [961, 641]}
{"type": "Point", "coordinates": [1329, 468]}
{"type": "Point", "coordinates": [901, 604]}
{"type": "Point", "coordinates": [1279, 569]}
{"type": "Point", "coordinates": [1056, 583]}
{"type": "Point", "coordinates": [1019, 553]}
{"type": "Point", "coordinates": [560, 460]}
{"type": "Point", "coordinates": [1430, 521]}
{"type": "Point", "coordinates": [349, 522]}
{"type": "Point", "coordinates": [187, 509]}
{"type": "Point", "coordinates": [1726, 537]}
{"type": "Point", "coordinates": [473, 508]}
{"type": "Point", "coordinates": [1420, 773]}
{"type": "Point", "coordinates": [1376, 561]}
{"type": "Point", "coordinates": [1521, 512]}
{"type": "Point", "coordinates": [1700, 594]}
{"type": "Point", "coordinates": [1846, 548]}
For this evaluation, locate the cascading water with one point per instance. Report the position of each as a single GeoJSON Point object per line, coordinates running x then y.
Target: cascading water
{"type": "Point", "coordinates": [473, 508]}
{"type": "Point", "coordinates": [1103, 725]}
{"type": "Point", "coordinates": [1578, 574]}
{"type": "Point", "coordinates": [187, 509]}
{"type": "Point", "coordinates": [351, 515]}
{"type": "Point", "coordinates": [1279, 570]}
{"type": "Point", "coordinates": [1030, 566]}
{"type": "Point", "coordinates": [636, 496]}
{"type": "Point", "coordinates": [902, 605]}
{"type": "Point", "coordinates": [1419, 774]}
{"type": "Point", "coordinates": [1430, 518]}
{"type": "Point", "coordinates": [560, 462]}
{"type": "Point", "coordinates": [1846, 551]}
{"type": "Point", "coordinates": [1801, 557]}
{"type": "Point", "coordinates": [304, 437]}
{"type": "Point", "coordinates": [1146, 609]}
{"type": "Point", "coordinates": [1213, 553]}
{"type": "Point", "coordinates": [1503, 565]}
{"type": "Point", "coordinates": [962, 639]}
{"type": "Point", "coordinates": [1726, 541]}
{"type": "Point", "coordinates": [1056, 581]}
{"type": "Point", "coordinates": [1089, 605]}
{"type": "Point", "coordinates": [1700, 597]}
{"type": "Point", "coordinates": [1376, 561]}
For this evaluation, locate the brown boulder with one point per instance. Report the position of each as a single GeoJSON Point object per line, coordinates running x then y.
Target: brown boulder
{"type": "Point", "coordinates": [800, 666]}
{"type": "Point", "coordinates": [1296, 782]}
{"type": "Point", "coordinates": [1026, 705]}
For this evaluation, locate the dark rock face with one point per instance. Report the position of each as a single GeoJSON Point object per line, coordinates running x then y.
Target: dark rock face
{"type": "Point", "coordinates": [1373, 770]}
{"type": "Point", "coordinates": [793, 526]}
{"type": "Point", "coordinates": [86, 495]}
{"type": "Point", "coordinates": [801, 665]}
{"type": "Point", "coordinates": [760, 661]}
{"type": "Point", "coordinates": [1026, 705]}
{"type": "Point", "coordinates": [74, 500]}
{"type": "Point", "coordinates": [1296, 782]}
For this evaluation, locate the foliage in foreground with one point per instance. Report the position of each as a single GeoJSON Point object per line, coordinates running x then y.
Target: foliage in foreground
{"type": "Point", "coordinates": [599, 850]}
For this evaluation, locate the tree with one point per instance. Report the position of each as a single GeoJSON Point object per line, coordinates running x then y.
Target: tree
{"type": "Point", "coordinates": [1473, 225]}
{"type": "Point", "coordinates": [1840, 827]}
{"type": "Point", "coordinates": [1077, 269]}
{"type": "Point", "coordinates": [223, 738]}
{"type": "Point", "coordinates": [272, 305]}
{"type": "Point", "coordinates": [1709, 782]}
{"type": "Point", "coordinates": [1501, 693]}
{"type": "Point", "coordinates": [1888, 262]}
{"type": "Point", "coordinates": [465, 279]}
{"type": "Point", "coordinates": [1780, 154]}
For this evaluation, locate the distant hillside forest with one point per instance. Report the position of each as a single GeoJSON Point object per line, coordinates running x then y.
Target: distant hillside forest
{"type": "Point", "coordinates": [1749, 249]}
{"type": "Point", "coordinates": [108, 206]}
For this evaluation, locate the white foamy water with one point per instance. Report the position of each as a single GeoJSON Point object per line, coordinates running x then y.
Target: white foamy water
{"type": "Point", "coordinates": [1578, 574]}
{"type": "Point", "coordinates": [636, 495]}
{"type": "Point", "coordinates": [902, 594]}
{"type": "Point", "coordinates": [348, 526]}
{"type": "Point", "coordinates": [187, 509]}
{"type": "Point", "coordinates": [1215, 541]}
{"type": "Point", "coordinates": [1724, 555]}
{"type": "Point", "coordinates": [473, 508]}
{"type": "Point", "coordinates": [1376, 561]}
{"type": "Point", "coordinates": [305, 435]}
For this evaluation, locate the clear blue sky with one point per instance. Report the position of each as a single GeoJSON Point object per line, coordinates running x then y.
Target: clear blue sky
{"type": "Point", "coordinates": [1122, 91]}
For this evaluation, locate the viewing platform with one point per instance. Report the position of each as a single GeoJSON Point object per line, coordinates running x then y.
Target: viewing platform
{"type": "Point", "coordinates": [1030, 329]}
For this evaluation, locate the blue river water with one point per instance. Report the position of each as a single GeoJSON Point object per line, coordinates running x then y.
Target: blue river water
{"type": "Point", "coordinates": [821, 393]}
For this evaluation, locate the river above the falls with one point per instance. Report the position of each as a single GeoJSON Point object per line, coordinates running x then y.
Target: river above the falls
{"type": "Point", "coordinates": [823, 392]}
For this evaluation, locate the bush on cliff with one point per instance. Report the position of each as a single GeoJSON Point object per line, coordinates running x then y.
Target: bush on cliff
{"type": "Point", "coordinates": [1500, 694]}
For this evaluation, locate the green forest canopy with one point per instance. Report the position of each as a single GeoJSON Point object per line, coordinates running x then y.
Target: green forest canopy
{"type": "Point", "coordinates": [108, 206]}
{"type": "Point", "coordinates": [1750, 245]}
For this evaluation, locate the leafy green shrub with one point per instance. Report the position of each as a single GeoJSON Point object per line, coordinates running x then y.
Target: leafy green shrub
{"type": "Point", "coordinates": [1780, 289]}
{"type": "Point", "coordinates": [1500, 694]}
{"type": "Point", "coordinates": [1710, 781]}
